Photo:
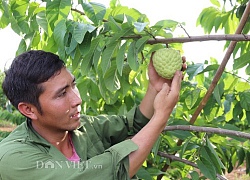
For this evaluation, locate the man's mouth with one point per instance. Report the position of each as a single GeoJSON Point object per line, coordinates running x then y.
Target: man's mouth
{"type": "Point", "coordinates": [75, 115]}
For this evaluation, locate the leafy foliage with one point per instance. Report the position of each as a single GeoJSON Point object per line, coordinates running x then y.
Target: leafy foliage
{"type": "Point", "coordinates": [107, 51]}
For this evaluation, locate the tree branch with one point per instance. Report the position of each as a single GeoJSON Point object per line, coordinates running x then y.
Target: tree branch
{"type": "Point", "coordinates": [174, 158]}
{"type": "Point", "coordinates": [229, 37]}
{"type": "Point", "coordinates": [208, 130]}
{"type": "Point", "coordinates": [223, 37]}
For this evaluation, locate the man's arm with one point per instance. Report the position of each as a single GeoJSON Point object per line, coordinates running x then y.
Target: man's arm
{"type": "Point", "coordinates": [159, 110]}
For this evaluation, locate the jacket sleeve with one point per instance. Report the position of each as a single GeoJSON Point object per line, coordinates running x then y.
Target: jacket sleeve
{"type": "Point", "coordinates": [112, 129]}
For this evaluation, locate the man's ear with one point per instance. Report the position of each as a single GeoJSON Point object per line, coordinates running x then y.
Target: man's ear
{"type": "Point", "coordinates": [28, 110]}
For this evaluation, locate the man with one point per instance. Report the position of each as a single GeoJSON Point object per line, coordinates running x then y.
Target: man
{"type": "Point", "coordinates": [56, 142]}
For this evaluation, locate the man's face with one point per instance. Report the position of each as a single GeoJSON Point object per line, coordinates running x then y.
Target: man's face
{"type": "Point", "coordinates": [60, 103]}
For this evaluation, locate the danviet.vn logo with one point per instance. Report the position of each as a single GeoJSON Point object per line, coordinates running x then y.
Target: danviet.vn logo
{"type": "Point", "coordinates": [52, 164]}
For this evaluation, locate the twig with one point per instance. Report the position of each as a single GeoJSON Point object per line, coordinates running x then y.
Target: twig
{"type": "Point", "coordinates": [208, 130]}
{"type": "Point", "coordinates": [175, 158]}
{"type": "Point", "coordinates": [184, 30]}
{"type": "Point", "coordinates": [237, 76]}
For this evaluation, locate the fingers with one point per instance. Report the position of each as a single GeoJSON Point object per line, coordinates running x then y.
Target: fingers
{"type": "Point", "coordinates": [175, 86]}
{"type": "Point", "coordinates": [184, 59]}
{"type": "Point", "coordinates": [184, 65]}
{"type": "Point", "coordinates": [165, 88]}
{"type": "Point", "coordinates": [176, 83]}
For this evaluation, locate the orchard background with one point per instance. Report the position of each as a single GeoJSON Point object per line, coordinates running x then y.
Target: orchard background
{"type": "Point", "coordinates": [108, 50]}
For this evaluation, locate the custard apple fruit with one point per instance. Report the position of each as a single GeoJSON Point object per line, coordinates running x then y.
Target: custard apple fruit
{"type": "Point", "coordinates": [166, 62]}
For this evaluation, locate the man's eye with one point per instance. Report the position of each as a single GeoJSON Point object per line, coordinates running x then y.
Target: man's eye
{"type": "Point", "coordinates": [62, 94]}
{"type": "Point", "coordinates": [74, 84]}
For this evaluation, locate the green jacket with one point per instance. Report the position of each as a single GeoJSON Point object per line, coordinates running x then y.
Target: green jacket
{"type": "Point", "coordinates": [101, 142]}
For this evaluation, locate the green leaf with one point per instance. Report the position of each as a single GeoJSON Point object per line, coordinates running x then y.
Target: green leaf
{"type": "Point", "coordinates": [22, 47]}
{"type": "Point", "coordinates": [193, 70]}
{"type": "Point", "coordinates": [169, 24]}
{"type": "Point", "coordinates": [110, 79]}
{"type": "Point", "coordinates": [218, 91]}
{"type": "Point", "coordinates": [248, 116]}
{"type": "Point", "coordinates": [117, 36]}
{"type": "Point", "coordinates": [194, 175]}
{"type": "Point", "coordinates": [36, 39]}
{"type": "Point", "coordinates": [206, 168]}
{"type": "Point", "coordinates": [212, 67]}
{"type": "Point", "coordinates": [83, 84]}
{"type": "Point", "coordinates": [214, 154]}
{"type": "Point", "coordinates": [107, 55]}
{"type": "Point", "coordinates": [113, 25]}
{"type": "Point", "coordinates": [181, 134]}
{"type": "Point", "coordinates": [245, 100]}
{"type": "Point", "coordinates": [192, 98]}
{"type": "Point", "coordinates": [72, 45]}
{"type": "Point", "coordinates": [96, 57]}
{"type": "Point", "coordinates": [215, 2]}
{"type": "Point", "coordinates": [109, 97]}
{"type": "Point", "coordinates": [131, 13]}
{"type": "Point", "coordinates": [85, 46]}
{"type": "Point", "coordinates": [184, 146]}
{"type": "Point", "coordinates": [79, 32]}
{"type": "Point", "coordinates": [247, 162]}
{"type": "Point", "coordinates": [5, 18]}
{"type": "Point", "coordinates": [19, 8]}
{"type": "Point", "coordinates": [156, 146]}
{"type": "Point", "coordinates": [76, 59]}
{"type": "Point", "coordinates": [242, 86]}
{"type": "Point", "coordinates": [237, 110]}
{"type": "Point", "coordinates": [140, 43]}
{"type": "Point", "coordinates": [242, 61]}
{"type": "Point", "coordinates": [227, 103]}
{"type": "Point", "coordinates": [59, 33]}
{"type": "Point", "coordinates": [132, 57]}
{"type": "Point", "coordinates": [247, 70]}
{"type": "Point", "coordinates": [143, 174]}
{"type": "Point", "coordinates": [121, 57]}
{"type": "Point", "coordinates": [41, 21]}
{"type": "Point", "coordinates": [88, 58]}
{"type": "Point", "coordinates": [241, 156]}
{"type": "Point", "coordinates": [163, 33]}
{"type": "Point", "coordinates": [90, 12]}
{"type": "Point", "coordinates": [217, 23]}
{"type": "Point", "coordinates": [57, 10]}
{"type": "Point", "coordinates": [99, 9]}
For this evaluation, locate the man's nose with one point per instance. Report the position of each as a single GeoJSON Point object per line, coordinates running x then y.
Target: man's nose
{"type": "Point", "coordinates": [76, 98]}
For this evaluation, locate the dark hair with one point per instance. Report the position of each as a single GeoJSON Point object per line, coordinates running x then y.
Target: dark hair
{"type": "Point", "coordinates": [27, 71]}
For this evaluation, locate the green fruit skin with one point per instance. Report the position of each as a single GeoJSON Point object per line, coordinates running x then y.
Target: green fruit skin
{"type": "Point", "coordinates": [166, 62]}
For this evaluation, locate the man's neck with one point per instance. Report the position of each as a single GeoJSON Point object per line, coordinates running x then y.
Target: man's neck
{"type": "Point", "coordinates": [60, 140]}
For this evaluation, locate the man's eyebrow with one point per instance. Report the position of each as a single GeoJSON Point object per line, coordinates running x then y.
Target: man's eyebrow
{"type": "Point", "coordinates": [64, 87]}
{"type": "Point", "coordinates": [61, 89]}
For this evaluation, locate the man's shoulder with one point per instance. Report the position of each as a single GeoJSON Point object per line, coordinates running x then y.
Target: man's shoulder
{"type": "Point", "coordinates": [13, 140]}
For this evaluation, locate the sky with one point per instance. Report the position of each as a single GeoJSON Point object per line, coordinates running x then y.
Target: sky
{"type": "Point", "coordinates": [156, 10]}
